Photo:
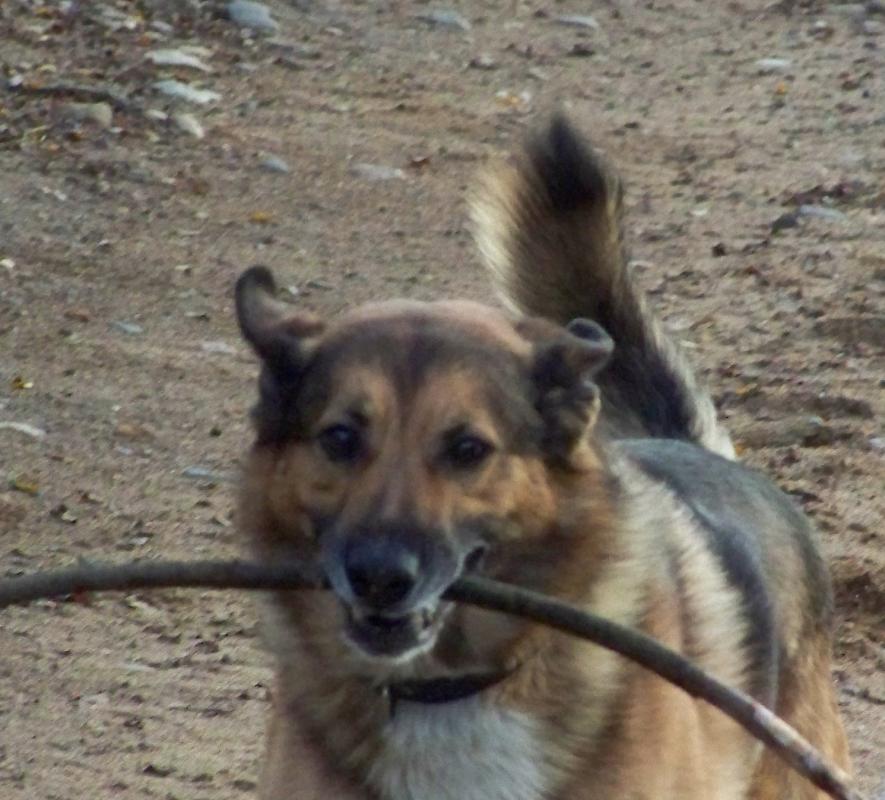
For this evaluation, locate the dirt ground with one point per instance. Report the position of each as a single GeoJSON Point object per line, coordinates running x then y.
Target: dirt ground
{"type": "Point", "coordinates": [757, 203]}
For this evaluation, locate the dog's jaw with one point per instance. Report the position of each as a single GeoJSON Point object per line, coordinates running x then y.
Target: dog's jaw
{"type": "Point", "coordinates": [394, 641]}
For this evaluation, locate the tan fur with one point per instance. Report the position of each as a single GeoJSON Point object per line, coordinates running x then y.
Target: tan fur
{"type": "Point", "coordinates": [566, 513]}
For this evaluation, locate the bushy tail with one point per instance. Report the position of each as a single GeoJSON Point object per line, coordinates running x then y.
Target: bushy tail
{"type": "Point", "coordinates": [550, 229]}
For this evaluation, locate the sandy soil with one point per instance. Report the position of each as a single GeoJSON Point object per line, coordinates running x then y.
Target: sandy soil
{"type": "Point", "coordinates": [120, 238]}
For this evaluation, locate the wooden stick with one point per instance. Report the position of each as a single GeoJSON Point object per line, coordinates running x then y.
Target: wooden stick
{"type": "Point", "coordinates": [755, 718]}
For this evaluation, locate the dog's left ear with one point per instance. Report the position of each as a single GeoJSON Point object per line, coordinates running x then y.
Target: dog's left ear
{"type": "Point", "coordinates": [567, 398]}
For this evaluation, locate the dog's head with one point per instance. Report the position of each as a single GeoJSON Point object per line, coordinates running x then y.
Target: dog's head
{"type": "Point", "coordinates": [405, 444]}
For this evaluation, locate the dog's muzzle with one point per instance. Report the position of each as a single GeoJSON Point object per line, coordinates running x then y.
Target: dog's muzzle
{"type": "Point", "coordinates": [390, 578]}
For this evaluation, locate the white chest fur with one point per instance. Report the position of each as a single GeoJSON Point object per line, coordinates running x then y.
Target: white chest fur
{"type": "Point", "coordinates": [459, 751]}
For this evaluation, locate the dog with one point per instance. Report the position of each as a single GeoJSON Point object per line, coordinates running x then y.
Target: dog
{"type": "Point", "coordinates": [561, 444]}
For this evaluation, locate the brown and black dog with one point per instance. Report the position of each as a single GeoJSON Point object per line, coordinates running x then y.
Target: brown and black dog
{"type": "Point", "coordinates": [405, 444]}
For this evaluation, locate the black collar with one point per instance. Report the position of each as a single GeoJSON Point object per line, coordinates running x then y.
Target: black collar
{"type": "Point", "coordinates": [434, 691]}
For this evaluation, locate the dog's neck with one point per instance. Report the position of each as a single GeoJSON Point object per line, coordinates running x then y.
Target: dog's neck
{"type": "Point", "coordinates": [435, 691]}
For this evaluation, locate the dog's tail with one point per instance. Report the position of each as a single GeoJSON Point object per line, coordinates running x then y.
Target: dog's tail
{"type": "Point", "coordinates": [550, 229]}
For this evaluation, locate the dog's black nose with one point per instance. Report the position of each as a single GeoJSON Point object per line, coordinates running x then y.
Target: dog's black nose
{"type": "Point", "coordinates": [381, 572]}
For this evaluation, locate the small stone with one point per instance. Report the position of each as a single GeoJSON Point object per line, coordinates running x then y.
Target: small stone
{"type": "Point", "coordinates": [189, 124]}
{"type": "Point", "coordinates": [249, 14]}
{"type": "Point", "coordinates": [872, 27]}
{"type": "Point", "coordinates": [203, 474]}
{"type": "Point", "coordinates": [483, 61]}
{"type": "Point", "coordinates": [784, 221]}
{"type": "Point", "coordinates": [158, 770]}
{"type": "Point", "coordinates": [78, 314]}
{"type": "Point", "coordinates": [64, 514]}
{"type": "Point", "coordinates": [821, 212]}
{"type": "Point", "coordinates": [25, 484]}
{"type": "Point", "coordinates": [808, 431]}
{"type": "Point", "coordinates": [100, 113]}
{"type": "Point", "coordinates": [577, 21]}
{"type": "Point", "coordinates": [24, 428]}
{"type": "Point", "coordinates": [176, 58]}
{"type": "Point", "coordinates": [218, 347]}
{"type": "Point", "coordinates": [854, 330]}
{"type": "Point", "coordinates": [377, 172]}
{"type": "Point", "coordinates": [130, 328]}
{"type": "Point", "coordinates": [272, 163]}
{"type": "Point", "coordinates": [445, 18]}
{"type": "Point", "coordinates": [769, 65]}
{"type": "Point", "coordinates": [184, 91]}
{"type": "Point", "coordinates": [134, 432]}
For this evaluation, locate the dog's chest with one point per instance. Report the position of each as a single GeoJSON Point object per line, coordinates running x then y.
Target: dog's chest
{"type": "Point", "coordinates": [459, 751]}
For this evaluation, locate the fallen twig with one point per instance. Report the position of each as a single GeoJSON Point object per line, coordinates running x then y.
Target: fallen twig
{"type": "Point", "coordinates": [645, 651]}
{"type": "Point", "coordinates": [82, 91]}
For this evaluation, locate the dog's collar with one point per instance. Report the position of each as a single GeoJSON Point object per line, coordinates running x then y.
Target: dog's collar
{"type": "Point", "coordinates": [435, 691]}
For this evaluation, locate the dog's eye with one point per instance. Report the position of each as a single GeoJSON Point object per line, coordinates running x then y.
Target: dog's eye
{"type": "Point", "coordinates": [341, 443]}
{"type": "Point", "coordinates": [466, 451]}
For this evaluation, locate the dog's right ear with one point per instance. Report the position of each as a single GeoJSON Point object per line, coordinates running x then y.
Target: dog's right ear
{"type": "Point", "coordinates": [280, 338]}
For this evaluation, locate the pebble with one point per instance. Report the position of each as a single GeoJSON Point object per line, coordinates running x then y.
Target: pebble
{"type": "Point", "coordinates": [445, 18]}
{"type": "Point", "coordinates": [854, 330]}
{"type": "Point", "coordinates": [377, 172]}
{"type": "Point", "coordinates": [176, 58]}
{"type": "Point", "coordinates": [249, 14]}
{"type": "Point", "coordinates": [184, 91]}
{"type": "Point", "coordinates": [483, 61]}
{"type": "Point", "coordinates": [134, 432]}
{"type": "Point", "coordinates": [100, 113]}
{"type": "Point", "coordinates": [189, 124]}
{"type": "Point", "coordinates": [273, 163]}
{"type": "Point", "coordinates": [578, 21]}
{"type": "Point", "coordinates": [162, 27]}
{"type": "Point", "coordinates": [809, 431]}
{"type": "Point", "coordinates": [218, 347]}
{"type": "Point", "coordinates": [769, 65]}
{"type": "Point", "coordinates": [128, 327]}
{"type": "Point", "coordinates": [23, 427]}
{"type": "Point", "coordinates": [822, 212]}
{"type": "Point", "coordinates": [203, 474]}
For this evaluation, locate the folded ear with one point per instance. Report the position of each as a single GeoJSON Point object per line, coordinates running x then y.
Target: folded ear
{"type": "Point", "coordinates": [276, 335]}
{"type": "Point", "coordinates": [567, 398]}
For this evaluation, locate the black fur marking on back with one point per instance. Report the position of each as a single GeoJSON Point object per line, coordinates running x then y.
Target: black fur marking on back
{"type": "Point", "coordinates": [714, 489]}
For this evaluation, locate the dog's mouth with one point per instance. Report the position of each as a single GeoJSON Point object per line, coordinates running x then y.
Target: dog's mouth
{"type": "Point", "coordinates": [398, 637]}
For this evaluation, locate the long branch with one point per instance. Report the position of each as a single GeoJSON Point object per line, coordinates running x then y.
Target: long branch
{"type": "Point", "coordinates": [645, 651]}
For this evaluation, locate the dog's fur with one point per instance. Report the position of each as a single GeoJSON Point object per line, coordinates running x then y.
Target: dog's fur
{"type": "Point", "coordinates": [601, 477]}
